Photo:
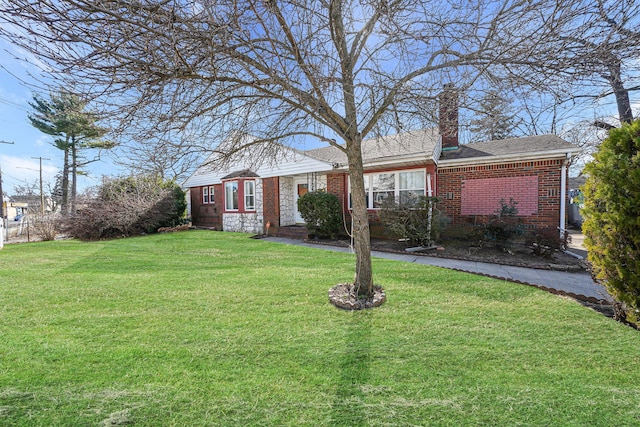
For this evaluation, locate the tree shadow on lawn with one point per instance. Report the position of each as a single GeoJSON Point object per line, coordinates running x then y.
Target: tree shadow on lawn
{"type": "Point", "coordinates": [355, 372]}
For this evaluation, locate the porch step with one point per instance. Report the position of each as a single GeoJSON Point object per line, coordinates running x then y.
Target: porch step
{"type": "Point", "coordinates": [291, 232]}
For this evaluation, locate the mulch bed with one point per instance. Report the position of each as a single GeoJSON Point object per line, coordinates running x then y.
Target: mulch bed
{"type": "Point", "coordinates": [462, 251]}
{"type": "Point", "coordinates": [345, 296]}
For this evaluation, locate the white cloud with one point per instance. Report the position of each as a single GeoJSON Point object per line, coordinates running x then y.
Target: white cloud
{"type": "Point", "coordinates": [23, 170]}
{"type": "Point", "coordinates": [44, 141]}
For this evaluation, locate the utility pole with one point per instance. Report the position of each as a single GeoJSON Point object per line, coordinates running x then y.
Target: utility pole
{"type": "Point", "coordinates": [1, 196]}
{"type": "Point", "coordinates": [2, 227]}
{"type": "Point", "coordinates": [41, 190]}
{"type": "Point", "coordinates": [2, 211]}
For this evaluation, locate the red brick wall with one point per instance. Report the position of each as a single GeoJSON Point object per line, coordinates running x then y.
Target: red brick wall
{"type": "Point", "coordinates": [456, 183]}
{"type": "Point", "coordinates": [210, 214]}
{"type": "Point", "coordinates": [483, 196]}
{"type": "Point", "coordinates": [271, 200]}
{"type": "Point", "coordinates": [337, 184]}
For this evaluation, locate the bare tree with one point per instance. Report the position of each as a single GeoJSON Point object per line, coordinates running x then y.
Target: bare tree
{"type": "Point", "coordinates": [164, 159]}
{"type": "Point", "coordinates": [281, 70]}
{"type": "Point", "coordinates": [592, 56]}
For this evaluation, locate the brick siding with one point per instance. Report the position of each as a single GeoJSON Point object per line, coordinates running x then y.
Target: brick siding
{"type": "Point", "coordinates": [271, 203]}
{"type": "Point", "coordinates": [484, 196]}
{"type": "Point", "coordinates": [207, 214]}
{"type": "Point", "coordinates": [467, 195]}
{"type": "Point", "coordinates": [456, 183]}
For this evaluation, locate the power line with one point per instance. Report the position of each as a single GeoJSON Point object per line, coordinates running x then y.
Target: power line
{"type": "Point", "coordinates": [13, 104]}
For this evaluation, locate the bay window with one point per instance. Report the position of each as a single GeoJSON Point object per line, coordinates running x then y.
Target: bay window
{"type": "Point", "coordinates": [231, 195]}
{"type": "Point", "coordinates": [239, 195]}
{"type": "Point", "coordinates": [250, 195]}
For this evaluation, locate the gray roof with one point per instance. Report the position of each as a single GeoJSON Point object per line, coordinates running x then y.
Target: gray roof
{"type": "Point", "coordinates": [521, 147]}
{"type": "Point", "coordinates": [421, 143]}
{"type": "Point", "coordinates": [246, 173]}
{"type": "Point", "coordinates": [576, 182]}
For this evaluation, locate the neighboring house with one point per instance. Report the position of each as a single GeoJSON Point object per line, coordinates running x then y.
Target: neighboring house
{"type": "Point", "coordinates": [12, 209]}
{"type": "Point", "coordinates": [576, 200]}
{"type": "Point", "coordinates": [470, 180]}
{"type": "Point", "coordinates": [30, 202]}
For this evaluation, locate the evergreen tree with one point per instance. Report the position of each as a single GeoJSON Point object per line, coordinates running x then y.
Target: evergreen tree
{"type": "Point", "coordinates": [494, 119]}
{"type": "Point", "coordinates": [612, 216]}
{"type": "Point", "coordinates": [64, 116]}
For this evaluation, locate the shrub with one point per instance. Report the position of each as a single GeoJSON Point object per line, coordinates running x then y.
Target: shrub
{"type": "Point", "coordinates": [504, 226]}
{"type": "Point", "coordinates": [612, 216]}
{"type": "Point", "coordinates": [545, 242]}
{"type": "Point", "coordinates": [45, 226]}
{"type": "Point", "coordinates": [128, 206]}
{"type": "Point", "coordinates": [322, 213]}
{"type": "Point", "coordinates": [418, 220]}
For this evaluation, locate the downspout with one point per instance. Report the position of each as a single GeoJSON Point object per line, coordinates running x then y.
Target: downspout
{"type": "Point", "coordinates": [430, 213]}
{"type": "Point", "coordinates": [563, 195]}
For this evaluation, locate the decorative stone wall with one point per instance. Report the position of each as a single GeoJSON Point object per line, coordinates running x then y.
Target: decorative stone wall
{"type": "Point", "coordinates": [259, 206]}
{"type": "Point", "coordinates": [287, 208]}
{"type": "Point", "coordinates": [247, 222]}
{"type": "Point", "coordinates": [242, 222]}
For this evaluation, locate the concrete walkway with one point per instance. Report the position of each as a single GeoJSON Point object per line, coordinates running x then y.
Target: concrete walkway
{"type": "Point", "coordinates": [576, 285]}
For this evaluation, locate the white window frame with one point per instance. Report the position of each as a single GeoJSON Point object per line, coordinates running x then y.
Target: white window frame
{"type": "Point", "coordinates": [226, 196]}
{"type": "Point", "coordinates": [368, 185]}
{"type": "Point", "coordinates": [205, 195]}
{"type": "Point", "coordinates": [249, 195]}
{"type": "Point", "coordinates": [212, 192]}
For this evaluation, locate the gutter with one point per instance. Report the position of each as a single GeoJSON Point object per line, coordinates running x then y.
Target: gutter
{"type": "Point", "coordinates": [410, 161]}
{"type": "Point", "coordinates": [565, 153]}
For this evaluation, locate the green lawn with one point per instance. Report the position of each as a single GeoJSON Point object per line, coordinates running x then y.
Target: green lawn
{"type": "Point", "coordinates": [216, 329]}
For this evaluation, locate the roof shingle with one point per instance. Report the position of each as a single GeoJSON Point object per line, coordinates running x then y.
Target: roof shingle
{"type": "Point", "coordinates": [524, 146]}
{"type": "Point", "coordinates": [414, 143]}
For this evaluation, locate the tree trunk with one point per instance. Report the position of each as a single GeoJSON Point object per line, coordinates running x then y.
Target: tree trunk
{"type": "Point", "coordinates": [622, 95]}
{"type": "Point", "coordinates": [65, 182]}
{"type": "Point", "coordinates": [74, 174]}
{"type": "Point", "coordinates": [360, 220]}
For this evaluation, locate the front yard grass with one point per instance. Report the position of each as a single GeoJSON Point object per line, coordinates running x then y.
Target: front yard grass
{"type": "Point", "coordinates": [215, 329]}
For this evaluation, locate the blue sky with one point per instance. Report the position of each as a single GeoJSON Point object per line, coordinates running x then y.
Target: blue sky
{"type": "Point", "coordinates": [19, 161]}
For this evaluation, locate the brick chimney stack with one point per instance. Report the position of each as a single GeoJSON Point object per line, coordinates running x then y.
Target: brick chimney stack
{"type": "Point", "coordinates": [448, 120]}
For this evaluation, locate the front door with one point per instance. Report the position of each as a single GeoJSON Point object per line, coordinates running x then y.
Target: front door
{"type": "Point", "coordinates": [300, 188]}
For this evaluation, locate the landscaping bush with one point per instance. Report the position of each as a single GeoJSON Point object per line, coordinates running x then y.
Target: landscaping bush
{"type": "Point", "coordinates": [504, 227]}
{"type": "Point", "coordinates": [611, 216]}
{"type": "Point", "coordinates": [322, 213]}
{"type": "Point", "coordinates": [128, 206]}
{"type": "Point", "coordinates": [418, 221]}
{"type": "Point", "coordinates": [547, 241]}
{"type": "Point", "coordinates": [469, 233]}
{"type": "Point", "coordinates": [45, 226]}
